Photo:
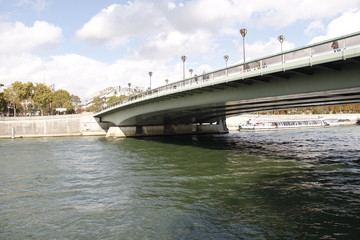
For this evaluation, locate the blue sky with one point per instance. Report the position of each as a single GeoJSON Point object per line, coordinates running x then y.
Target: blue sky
{"type": "Point", "coordinates": [84, 46]}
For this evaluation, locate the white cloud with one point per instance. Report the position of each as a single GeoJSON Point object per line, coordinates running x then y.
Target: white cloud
{"type": "Point", "coordinates": [157, 32]}
{"type": "Point", "coordinates": [175, 43]}
{"type": "Point", "coordinates": [18, 38]}
{"type": "Point", "coordinates": [159, 28]}
{"type": "Point", "coordinates": [171, 5]}
{"type": "Point", "coordinates": [76, 74]}
{"type": "Point", "coordinates": [282, 13]}
{"type": "Point", "coordinates": [204, 15]}
{"type": "Point", "coordinates": [347, 23]}
{"type": "Point", "coordinates": [259, 49]}
{"type": "Point", "coordinates": [38, 5]}
{"type": "Point", "coordinates": [114, 25]}
{"type": "Point", "coordinates": [80, 75]}
{"type": "Point", "coordinates": [315, 27]}
{"type": "Point", "coordinates": [197, 24]}
{"type": "Point", "coordinates": [18, 67]}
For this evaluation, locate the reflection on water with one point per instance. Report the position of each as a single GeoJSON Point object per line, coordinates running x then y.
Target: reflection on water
{"type": "Point", "coordinates": [298, 184]}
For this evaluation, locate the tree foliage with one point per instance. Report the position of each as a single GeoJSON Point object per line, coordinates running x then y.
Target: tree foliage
{"type": "Point", "coordinates": [27, 98]}
{"type": "Point", "coordinates": [97, 104]}
{"type": "Point", "coordinates": [17, 94]}
{"type": "Point", "coordinates": [61, 99]}
{"type": "Point", "coordinates": [43, 97]}
{"type": "Point", "coordinates": [347, 108]}
{"type": "Point", "coordinates": [3, 104]}
{"type": "Point", "coordinates": [114, 99]}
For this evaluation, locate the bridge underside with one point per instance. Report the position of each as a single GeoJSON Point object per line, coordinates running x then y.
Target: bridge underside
{"type": "Point", "coordinates": [332, 83]}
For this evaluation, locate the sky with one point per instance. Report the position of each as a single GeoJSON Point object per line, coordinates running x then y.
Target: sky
{"type": "Point", "coordinates": [85, 46]}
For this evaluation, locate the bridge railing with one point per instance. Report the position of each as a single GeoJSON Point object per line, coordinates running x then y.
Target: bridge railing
{"type": "Point", "coordinates": [307, 52]}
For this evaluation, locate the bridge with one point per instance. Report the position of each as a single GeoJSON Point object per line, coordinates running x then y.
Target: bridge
{"type": "Point", "coordinates": [325, 73]}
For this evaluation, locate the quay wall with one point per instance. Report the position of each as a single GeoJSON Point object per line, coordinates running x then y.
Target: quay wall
{"type": "Point", "coordinates": [51, 126]}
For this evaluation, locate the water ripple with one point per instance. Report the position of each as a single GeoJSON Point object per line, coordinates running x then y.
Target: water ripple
{"type": "Point", "coordinates": [301, 184]}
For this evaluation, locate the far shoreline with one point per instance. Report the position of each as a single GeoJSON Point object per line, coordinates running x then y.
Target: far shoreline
{"type": "Point", "coordinates": [77, 125]}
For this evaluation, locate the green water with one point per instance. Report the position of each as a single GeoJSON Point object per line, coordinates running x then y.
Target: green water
{"type": "Point", "coordinates": [301, 184]}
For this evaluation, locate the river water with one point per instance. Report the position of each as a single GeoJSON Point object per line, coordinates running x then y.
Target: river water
{"type": "Point", "coordinates": [296, 184]}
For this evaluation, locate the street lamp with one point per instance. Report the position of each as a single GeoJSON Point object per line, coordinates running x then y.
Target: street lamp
{"type": "Point", "coordinates": [243, 33]}
{"type": "Point", "coordinates": [150, 74]}
{"type": "Point", "coordinates": [183, 58]}
{"type": "Point", "coordinates": [226, 58]}
{"type": "Point", "coordinates": [166, 81]}
{"type": "Point", "coordinates": [191, 71]}
{"type": "Point", "coordinates": [281, 39]}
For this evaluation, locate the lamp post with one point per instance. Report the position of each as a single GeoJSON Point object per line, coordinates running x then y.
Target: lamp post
{"type": "Point", "coordinates": [281, 39]}
{"type": "Point", "coordinates": [183, 58]}
{"type": "Point", "coordinates": [243, 33]}
{"type": "Point", "coordinates": [226, 58]}
{"type": "Point", "coordinates": [150, 74]}
{"type": "Point", "coordinates": [191, 71]}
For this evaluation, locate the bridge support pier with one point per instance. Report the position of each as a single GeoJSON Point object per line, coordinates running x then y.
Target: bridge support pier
{"type": "Point", "coordinates": [166, 130]}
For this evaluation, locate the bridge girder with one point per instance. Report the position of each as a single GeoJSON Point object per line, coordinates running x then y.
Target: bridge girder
{"type": "Point", "coordinates": [326, 83]}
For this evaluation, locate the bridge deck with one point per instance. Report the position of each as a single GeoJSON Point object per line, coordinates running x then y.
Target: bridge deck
{"type": "Point", "coordinates": [227, 91]}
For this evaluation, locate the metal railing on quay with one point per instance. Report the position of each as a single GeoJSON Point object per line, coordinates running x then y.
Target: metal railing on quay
{"type": "Point", "coordinates": [307, 52]}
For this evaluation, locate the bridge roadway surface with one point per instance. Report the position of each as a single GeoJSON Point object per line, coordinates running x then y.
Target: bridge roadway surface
{"type": "Point", "coordinates": [314, 75]}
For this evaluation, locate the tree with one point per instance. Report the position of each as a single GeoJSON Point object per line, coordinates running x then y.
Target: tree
{"type": "Point", "coordinates": [18, 95]}
{"type": "Point", "coordinates": [43, 97]}
{"type": "Point", "coordinates": [97, 104]}
{"type": "Point", "coordinates": [12, 97]}
{"type": "Point", "coordinates": [61, 99]}
{"type": "Point", "coordinates": [25, 92]}
{"type": "Point", "coordinates": [114, 99]}
{"type": "Point", "coordinates": [76, 103]}
{"type": "Point", "coordinates": [3, 104]}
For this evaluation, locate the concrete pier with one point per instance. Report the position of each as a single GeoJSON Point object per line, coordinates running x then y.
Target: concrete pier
{"type": "Point", "coordinates": [182, 129]}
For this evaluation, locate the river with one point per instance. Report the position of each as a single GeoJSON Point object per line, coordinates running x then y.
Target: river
{"type": "Point", "coordinates": [296, 184]}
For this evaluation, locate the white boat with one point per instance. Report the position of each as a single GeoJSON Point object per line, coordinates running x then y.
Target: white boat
{"type": "Point", "coordinates": [333, 122]}
{"type": "Point", "coordinates": [281, 124]}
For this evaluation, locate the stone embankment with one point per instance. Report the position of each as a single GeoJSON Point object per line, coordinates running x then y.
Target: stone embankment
{"type": "Point", "coordinates": [50, 126]}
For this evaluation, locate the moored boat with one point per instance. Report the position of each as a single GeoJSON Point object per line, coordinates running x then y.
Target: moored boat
{"type": "Point", "coordinates": [333, 122]}
{"type": "Point", "coordinates": [281, 124]}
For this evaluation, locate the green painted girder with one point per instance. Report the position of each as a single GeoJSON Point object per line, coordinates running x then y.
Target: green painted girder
{"type": "Point", "coordinates": [326, 80]}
